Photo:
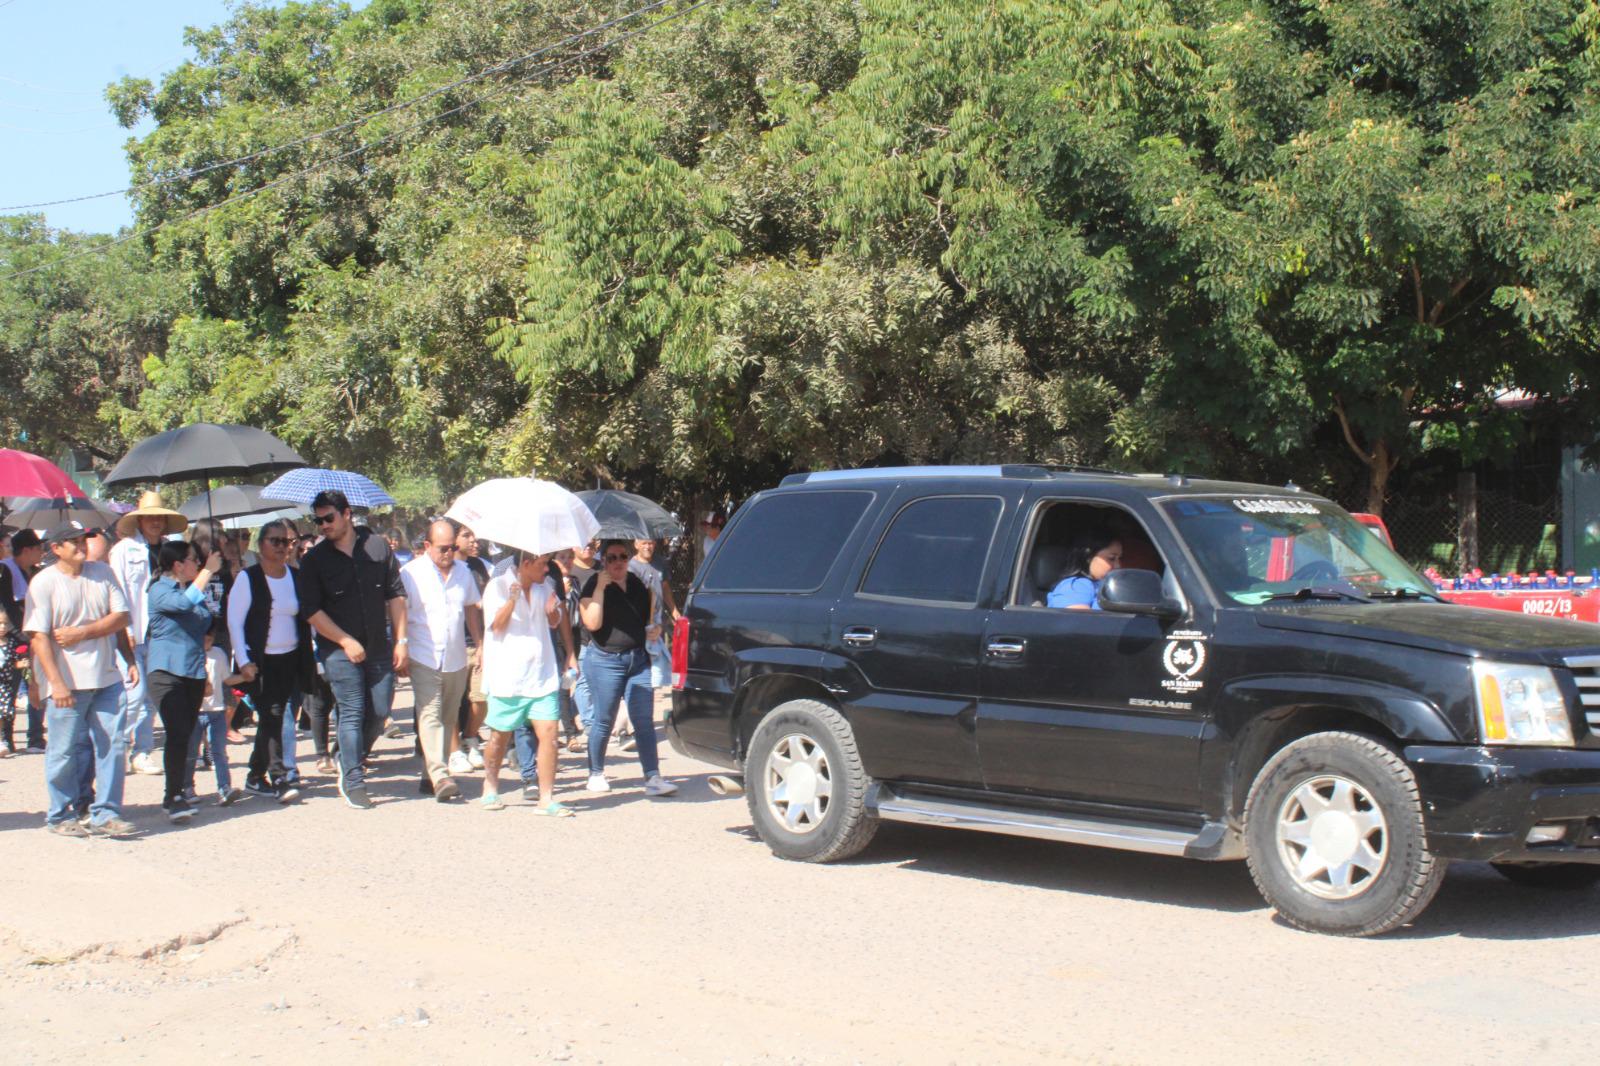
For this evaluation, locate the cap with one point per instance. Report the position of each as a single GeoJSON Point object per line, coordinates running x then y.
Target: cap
{"type": "Point", "coordinates": [66, 531]}
{"type": "Point", "coordinates": [23, 539]}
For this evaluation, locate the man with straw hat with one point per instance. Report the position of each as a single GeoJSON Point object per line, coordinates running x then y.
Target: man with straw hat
{"type": "Point", "coordinates": [133, 560]}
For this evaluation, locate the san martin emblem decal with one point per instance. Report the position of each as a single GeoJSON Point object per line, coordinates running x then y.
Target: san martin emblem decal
{"type": "Point", "coordinates": [1184, 658]}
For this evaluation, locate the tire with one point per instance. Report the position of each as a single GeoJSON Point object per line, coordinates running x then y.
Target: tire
{"type": "Point", "coordinates": [819, 814]}
{"type": "Point", "coordinates": [1364, 870]}
{"type": "Point", "coordinates": [1554, 876]}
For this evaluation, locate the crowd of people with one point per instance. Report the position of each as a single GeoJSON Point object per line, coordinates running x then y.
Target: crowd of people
{"type": "Point", "coordinates": [158, 620]}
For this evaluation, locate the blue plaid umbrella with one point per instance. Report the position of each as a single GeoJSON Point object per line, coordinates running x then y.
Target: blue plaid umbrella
{"type": "Point", "coordinates": [303, 484]}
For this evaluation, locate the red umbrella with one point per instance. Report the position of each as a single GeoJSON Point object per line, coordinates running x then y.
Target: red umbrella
{"type": "Point", "coordinates": [26, 474]}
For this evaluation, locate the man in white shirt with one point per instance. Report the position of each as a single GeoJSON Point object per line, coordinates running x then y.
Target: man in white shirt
{"type": "Point", "coordinates": [442, 606]}
{"type": "Point", "coordinates": [132, 560]}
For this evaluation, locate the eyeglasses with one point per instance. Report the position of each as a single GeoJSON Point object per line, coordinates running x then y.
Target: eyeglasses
{"type": "Point", "coordinates": [277, 542]}
{"type": "Point", "coordinates": [326, 519]}
{"type": "Point", "coordinates": [615, 557]}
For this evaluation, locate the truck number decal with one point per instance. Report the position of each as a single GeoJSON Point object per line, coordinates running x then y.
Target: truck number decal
{"type": "Point", "coordinates": [1551, 608]}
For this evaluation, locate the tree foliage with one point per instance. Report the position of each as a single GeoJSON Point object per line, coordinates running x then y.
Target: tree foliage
{"type": "Point", "coordinates": [1220, 235]}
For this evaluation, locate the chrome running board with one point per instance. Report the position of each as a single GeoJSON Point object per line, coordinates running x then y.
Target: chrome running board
{"type": "Point", "coordinates": [1211, 841]}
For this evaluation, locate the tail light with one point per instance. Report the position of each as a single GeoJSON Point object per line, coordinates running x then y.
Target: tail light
{"type": "Point", "coordinates": [680, 652]}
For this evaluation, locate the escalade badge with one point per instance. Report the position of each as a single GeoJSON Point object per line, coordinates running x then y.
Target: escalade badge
{"type": "Point", "coordinates": [1184, 658]}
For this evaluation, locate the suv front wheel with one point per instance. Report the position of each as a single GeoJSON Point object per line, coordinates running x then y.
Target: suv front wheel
{"type": "Point", "coordinates": [1335, 839]}
{"type": "Point", "coordinates": [805, 785]}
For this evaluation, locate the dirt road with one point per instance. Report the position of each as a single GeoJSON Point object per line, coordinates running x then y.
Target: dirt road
{"type": "Point", "coordinates": [662, 931]}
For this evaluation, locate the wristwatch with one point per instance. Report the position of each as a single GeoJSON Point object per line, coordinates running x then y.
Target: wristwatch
{"type": "Point", "coordinates": [403, 640]}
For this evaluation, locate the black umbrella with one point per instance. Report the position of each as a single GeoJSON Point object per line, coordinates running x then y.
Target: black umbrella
{"type": "Point", "coordinates": [232, 501]}
{"type": "Point", "coordinates": [628, 516]}
{"type": "Point", "coordinates": [201, 452]}
{"type": "Point", "coordinates": [34, 512]}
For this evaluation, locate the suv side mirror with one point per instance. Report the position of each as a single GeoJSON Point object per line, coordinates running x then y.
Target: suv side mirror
{"type": "Point", "coordinates": [1137, 592]}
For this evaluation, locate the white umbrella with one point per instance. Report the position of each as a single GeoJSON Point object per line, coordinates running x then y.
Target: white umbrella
{"type": "Point", "coordinates": [261, 518]}
{"type": "Point", "coordinates": [524, 512]}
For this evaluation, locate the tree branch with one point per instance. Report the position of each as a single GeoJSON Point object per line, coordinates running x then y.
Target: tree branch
{"type": "Point", "coordinates": [1416, 283]}
{"type": "Point", "coordinates": [1349, 435]}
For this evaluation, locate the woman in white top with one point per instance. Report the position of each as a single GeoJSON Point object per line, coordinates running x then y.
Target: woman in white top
{"type": "Point", "coordinates": [520, 674]}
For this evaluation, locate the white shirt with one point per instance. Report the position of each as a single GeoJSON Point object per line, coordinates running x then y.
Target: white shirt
{"type": "Point", "coordinates": [216, 670]}
{"type": "Point", "coordinates": [436, 613]}
{"type": "Point", "coordinates": [130, 561]}
{"type": "Point", "coordinates": [282, 634]}
{"type": "Point", "coordinates": [521, 661]}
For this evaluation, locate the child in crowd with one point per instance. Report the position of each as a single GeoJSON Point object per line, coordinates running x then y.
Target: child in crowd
{"type": "Point", "coordinates": [214, 719]}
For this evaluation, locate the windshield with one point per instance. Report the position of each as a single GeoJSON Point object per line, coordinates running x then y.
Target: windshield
{"type": "Point", "coordinates": [1255, 549]}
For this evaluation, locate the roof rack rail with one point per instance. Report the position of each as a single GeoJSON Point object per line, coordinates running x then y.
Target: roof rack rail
{"type": "Point", "coordinates": [1021, 471]}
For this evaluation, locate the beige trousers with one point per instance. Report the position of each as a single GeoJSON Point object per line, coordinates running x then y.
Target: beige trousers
{"type": "Point", "coordinates": [438, 695]}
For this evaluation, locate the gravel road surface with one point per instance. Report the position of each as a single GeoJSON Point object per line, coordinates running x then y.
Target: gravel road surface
{"type": "Point", "coordinates": [647, 931]}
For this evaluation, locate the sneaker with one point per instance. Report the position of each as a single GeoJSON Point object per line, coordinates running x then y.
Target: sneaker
{"type": "Point", "coordinates": [229, 796]}
{"type": "Point", "coordinates": [356, 796]}
{"type": "Point", "coordinates": [425, 786]}
{"type": "Point", "coordinates": [656, 785]}
{"type": "Point", "coordinates": [459, 763]}
{"type": "Point", "coordinates": [5, 750]}
{"type": "Point", "coordinates": [257, 785]}
{"type": "Point", "coordinates": [116, 828]}
{"type": "Point", "coordinates": [475, 756]}
{"type": "Point", "coordinates": [178, 812]}
{"type": "Point", "coordinates": [204, 762]}
{"type": "Point", "coordinates": [491, 802]}
{"type": "Point", "coordinates": [447, 791]}
{"type": "Point", "coordinates": [144, 764]}
{"type": "Point", "coordinates": [68, 828]}
{"type": "Point", "coordinates": [629, 744]}
{"type": "Point", "coordinates": [288, 791]}
{"type": "Point", "coordinates": [33, 749]}
{"type": "Point", "coordinates": [393, 731]}
{"type": "Point", "coordinates": [598, 783]}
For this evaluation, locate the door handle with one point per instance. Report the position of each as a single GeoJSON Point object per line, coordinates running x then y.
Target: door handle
{"type": "Point", "coordinates": [860, 636]}
{"type": "Point", "coordinates": [1007, 648]}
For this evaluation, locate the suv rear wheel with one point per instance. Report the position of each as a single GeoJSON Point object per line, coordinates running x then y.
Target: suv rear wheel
{"type": "Point", "coordinates": [1335, 839]}
{"type": "Point", "coordinates": [805, 786]}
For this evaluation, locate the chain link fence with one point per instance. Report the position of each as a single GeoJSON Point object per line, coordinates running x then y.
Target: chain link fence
{"type": "Point", "coordinates": [1512, 535]}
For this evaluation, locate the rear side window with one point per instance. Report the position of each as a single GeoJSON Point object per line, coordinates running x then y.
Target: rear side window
{"type": "Point", "coordinates": [935, 551]}
{"type": "Point", "coordinates": [786, 543]}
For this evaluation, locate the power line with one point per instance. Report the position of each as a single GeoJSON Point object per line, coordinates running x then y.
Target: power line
{"type": "Point", "coordinates": [185, 175]}
{"type": "Point", "coordinates": [237, 197]}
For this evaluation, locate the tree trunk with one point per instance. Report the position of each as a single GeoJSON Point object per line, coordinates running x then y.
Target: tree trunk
{"type": "Point", "coordinates": [1379, 467]}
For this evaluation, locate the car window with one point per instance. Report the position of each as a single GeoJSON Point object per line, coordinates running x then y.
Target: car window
{"type": "Point", "coordinates": [786, 542]}
{"type": "Point", "coordinates": [935, 550]}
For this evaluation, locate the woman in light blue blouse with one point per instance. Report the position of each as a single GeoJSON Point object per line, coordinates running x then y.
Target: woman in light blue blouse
{"type": "Point", "coordinates": [179, 621]}
{"type": "Point", "coordinates": [1091, 557]}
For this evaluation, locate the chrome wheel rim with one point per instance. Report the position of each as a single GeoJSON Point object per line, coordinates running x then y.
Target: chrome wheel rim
{"type": "Point", "coordinates": [1332, 837]}
{"type": "Point", "coordinates": [799, 783]}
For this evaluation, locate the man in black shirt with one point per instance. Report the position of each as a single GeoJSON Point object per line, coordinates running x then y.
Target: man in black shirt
{"type": "Point", "coordinates": [350, 588]}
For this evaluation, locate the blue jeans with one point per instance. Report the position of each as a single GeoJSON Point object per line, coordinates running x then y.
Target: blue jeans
{"type": "Point", "coordinates": [660, 664]}
{"type": "Point", "coordinates": [580, 697]}
{"type": "Point", "coordinates": [88, 737]}
{"type": "Point", "coordinates": [362, 694]}
{"type": "Point", "coordinates": [614, 677]}
{"type": "Point", "coordinates": [136, 709]}
{"type": "Point", "coordinates": [214, 725]}
{"type": "Point", "coordinates": [291, 737]}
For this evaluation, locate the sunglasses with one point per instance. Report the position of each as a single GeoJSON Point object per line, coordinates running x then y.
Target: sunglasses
{"type": "Point", "coordinates": [445, 548]}
{"type": "Point", "coordinates": [326, 519]}
{"type": "Point", "coordinates": [277, 542]}
{"type": "Point", "coordinates": [616, 558]}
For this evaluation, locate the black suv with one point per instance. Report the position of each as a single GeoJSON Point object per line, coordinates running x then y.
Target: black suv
{"type": "Point", "coordinates": [1261, 679]}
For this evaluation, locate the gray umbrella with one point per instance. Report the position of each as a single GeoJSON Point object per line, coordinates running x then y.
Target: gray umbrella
{"type": "Point", "coordinates": [231, 501]}
{"type": "Point", "coordinates": [32, 512]}
{"type": "Point", "coordinates": [628, 516]}
{"type": "Point", "coordinates": [203, 451]}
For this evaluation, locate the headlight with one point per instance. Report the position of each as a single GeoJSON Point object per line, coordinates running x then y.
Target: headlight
{"type": "Point", "coordinates": [1520, 705]}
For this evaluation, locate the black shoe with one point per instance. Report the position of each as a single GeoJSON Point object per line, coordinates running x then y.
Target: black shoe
{"type": "Point", "coordinates": [356, 796]}
{"type": "Point", "coordinates": [178, 811]}
{"type": "Point", "coordinates": [447, 792]}
{"type": "Point", "coordinates": [257, 785]}
{"type": "Point", "coordinates": [288, 791]}
{"type": "Point", "coordinates": [425, 786]}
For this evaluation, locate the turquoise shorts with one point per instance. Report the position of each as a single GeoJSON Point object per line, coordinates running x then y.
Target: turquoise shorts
{"type": "Point", "coordinates": [507, 714]}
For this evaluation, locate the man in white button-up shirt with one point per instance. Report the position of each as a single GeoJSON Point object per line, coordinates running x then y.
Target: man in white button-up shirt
{"type": "Point", "coordinates": [442, 604]}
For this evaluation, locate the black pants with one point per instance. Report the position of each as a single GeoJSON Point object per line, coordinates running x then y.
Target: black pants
{"type": "Point", "coordinates": [274, 687]}
{"type": "Point", "coordinates": [177, 701]}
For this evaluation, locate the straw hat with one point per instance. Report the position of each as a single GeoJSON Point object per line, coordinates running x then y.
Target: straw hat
{"type": "Point", "coordinates": [151, 503]}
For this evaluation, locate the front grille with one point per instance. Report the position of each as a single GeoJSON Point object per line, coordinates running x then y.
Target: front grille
{"type": "Point", "coordinates": [1586, 672]}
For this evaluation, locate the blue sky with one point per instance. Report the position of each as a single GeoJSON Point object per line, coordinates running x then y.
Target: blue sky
{"type": "Point", "coordinates": [57, 137]}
